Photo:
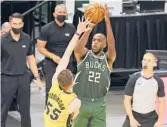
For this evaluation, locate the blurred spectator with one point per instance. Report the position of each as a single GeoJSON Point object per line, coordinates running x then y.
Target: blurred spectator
{"type": "Point", "coordinates": [53, 41]}
{"type": "Point", "coordinates": [5, 28]}
{"type": "Point", "coordinates": [9, 7]}
{"type": "Point", "coordinates": [16, 52]}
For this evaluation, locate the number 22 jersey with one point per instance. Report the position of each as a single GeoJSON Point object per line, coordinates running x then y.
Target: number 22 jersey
{"type": "Point", "coordinates": [93, 76]}
{"type": "Point", "coordinates": [56, 111]}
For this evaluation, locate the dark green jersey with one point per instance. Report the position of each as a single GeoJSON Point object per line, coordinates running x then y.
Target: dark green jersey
{"type": "Point", "coordinates": [93, 76]}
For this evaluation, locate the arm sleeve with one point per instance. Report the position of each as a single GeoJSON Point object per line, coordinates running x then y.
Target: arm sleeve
{"type": "Point", "coordinates": [129, 88]}
{"type": "Point", "coordinates": [1, 47]}
{"type": "Point", "coordinates": [161, 89]}
{"type": "Point", "coordinates": [30, 50]}
{"type": "Point", "coordinates": [43, 34]}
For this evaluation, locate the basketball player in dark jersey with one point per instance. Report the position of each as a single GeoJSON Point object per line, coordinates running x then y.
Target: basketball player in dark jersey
{"type": "Point", "coordinates": [93, 76]}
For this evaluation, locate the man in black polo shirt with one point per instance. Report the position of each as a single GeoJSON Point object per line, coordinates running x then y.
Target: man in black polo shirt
{"type": "Point", "coordinates": [143, 90]}
{"type": "Point", "coordinates": [53, 41]}
{"type": "Point", "coordinates": [16, 51]}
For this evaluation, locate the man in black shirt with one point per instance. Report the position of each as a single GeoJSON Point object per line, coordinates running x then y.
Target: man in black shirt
{"type": "Point", "coordinates": [53, 41]}
{"type": "Point", "coordinates": [16, 51]}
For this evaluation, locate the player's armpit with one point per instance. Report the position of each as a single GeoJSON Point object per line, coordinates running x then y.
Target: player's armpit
{"type": "Point", "coordinates": [110, 62]}
{"type": "Point", "coordinates": [79, 57]}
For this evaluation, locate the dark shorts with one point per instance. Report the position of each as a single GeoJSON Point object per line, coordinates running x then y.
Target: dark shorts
{"type": "Point", "coordinates": [146, 120]}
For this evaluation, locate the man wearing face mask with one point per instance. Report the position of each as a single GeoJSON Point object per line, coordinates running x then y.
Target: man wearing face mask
{"type": "Point", "coordinates": [53, 41]}
{"type": "Point", "coordinates": [141, 92]}
{"type": "Point", "coordinates": [16, 51]}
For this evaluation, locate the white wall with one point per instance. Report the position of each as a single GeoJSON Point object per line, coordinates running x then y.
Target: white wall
{"type": "Point", "coordinates": [70, 4]}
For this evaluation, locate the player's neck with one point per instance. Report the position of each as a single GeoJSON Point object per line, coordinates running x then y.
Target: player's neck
{"type": "Point", "coordinates": [97, 54]}
{"type": "Point", "coordinates": [147, 73]}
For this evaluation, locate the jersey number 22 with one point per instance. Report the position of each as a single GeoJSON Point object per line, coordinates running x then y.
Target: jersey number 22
{"type": "Point", "coordinates": [94, 77]}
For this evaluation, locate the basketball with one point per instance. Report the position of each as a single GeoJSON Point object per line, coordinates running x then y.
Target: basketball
{"type": "Point", "coordinates": [94, 12]}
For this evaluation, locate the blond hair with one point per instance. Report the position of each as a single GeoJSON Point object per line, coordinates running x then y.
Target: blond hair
{"type": "Point", "coordinates": [65, 78]}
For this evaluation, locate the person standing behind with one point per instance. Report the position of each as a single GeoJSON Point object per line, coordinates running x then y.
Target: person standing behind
{"type": "Point", "coordinates": [5, 28]}
{"type": "Point", "coordinates": [16, 51]}
{"type": "Point", "coordinates": [141, 92]}
{"type": "Point", "coordinates": [53, 41]}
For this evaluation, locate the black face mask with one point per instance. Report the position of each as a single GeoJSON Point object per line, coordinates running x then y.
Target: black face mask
{"type": "Point", "coordinates": [16, 30]}
{"type": "Point", "coordinates": [61, 18]}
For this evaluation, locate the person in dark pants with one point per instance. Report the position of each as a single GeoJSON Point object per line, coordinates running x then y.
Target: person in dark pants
{"type": "Point", "coordinates": [16, 51]}
{"type": "Point", "coordinates": [141, 92]}
{"type": "Point", "coordinates": [53, 41]}
{"type": "Point", "coordinates": [4, 30]}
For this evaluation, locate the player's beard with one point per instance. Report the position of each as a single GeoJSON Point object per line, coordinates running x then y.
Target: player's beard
{"type": "Point", "coordinates": [96, 53]}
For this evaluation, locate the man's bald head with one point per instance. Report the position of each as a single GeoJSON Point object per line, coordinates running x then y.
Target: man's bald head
{"type": "Point", "coordinates": [6, 27]}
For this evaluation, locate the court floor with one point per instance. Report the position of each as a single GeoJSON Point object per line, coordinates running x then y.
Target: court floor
{"type": "Point", "coordinates": [115, 110]}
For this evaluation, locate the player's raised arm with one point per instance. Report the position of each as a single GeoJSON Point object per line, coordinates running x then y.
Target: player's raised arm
{"type": "Point", "coordinates": [111, 52]}
{"type": "Point", "coordinates": [80, 49]}
{"type": "Point", "coordinates": [66, 57]}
